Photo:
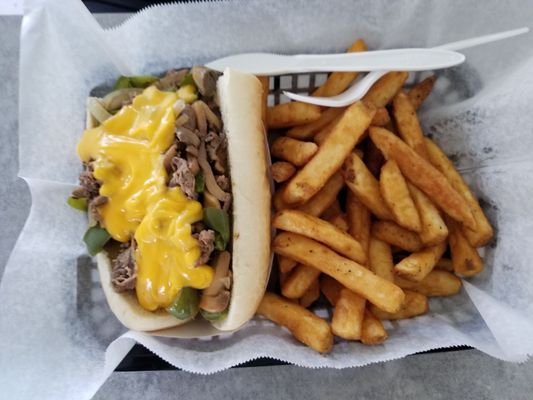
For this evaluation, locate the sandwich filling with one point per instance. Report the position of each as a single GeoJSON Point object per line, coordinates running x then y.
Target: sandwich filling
{"type": "Point", "coordinates": [156, 179]}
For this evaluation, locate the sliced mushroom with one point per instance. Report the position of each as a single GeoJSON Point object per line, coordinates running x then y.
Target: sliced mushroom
{"type": "Point", "coordinates": [167, 158]}
{"type": "Point", "coordinates": [187, 136]}
{"type": "Point", "coordinates": [188, 112]}
{"type": "Point", "coordinates": [171, 79]}
{"type": "Point", "coordinates": [205, 80]}
{"type": "Point", "coordinates": [210, 182]}
{"type": "Point", "coordinates": [211, 201]}
{"type": "Point", "coordinates": [201, 121]}
{"type": "Point", "coordinates": [211, 117]}
{"type": "Point", "coordinates": [119, 98]}
{"type": "Point", "coordinates": [221, 267]}
{"type": "Point", "coordinates": [217, 303]}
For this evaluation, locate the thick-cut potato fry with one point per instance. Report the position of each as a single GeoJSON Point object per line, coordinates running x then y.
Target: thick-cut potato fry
{"type": "Point", "coordinates": [299, 281]}
{"type": "Point", "coordinates": [302, 323]}
{"type": "Point", "coordinates": [373, 158]}
{"type": "Point", "coordinates": [338, 82]}
{"type": "Point", "coordinates": [373, 331]}
{"type": "Point", "coordinates": [354, 276]}
{"type": "Point", "coordinates": [381, 118]}
{"type": "Point", "coordinates": [291, 114]}
{"type": "Point", "coordinates": [307, 131]}
{"type": "Point", "coordinates": [383, 91]}
{"type": "Point", "coordinates": [423, 175]}
{"type": "Point", "coordinates": [265, 85]}
{"type": "Point", "coordinates": [347, 321]}
{"type": "Point", "coordinates": [324, 132]}
{"type": "Point", "coordinates": [380, 259]}
{"type": "Point", "coordinates": [286, 265]}
{"type": "Point", "coordinates": [339, 221]}
{"type": "Point", "coordinates": [483, 232]}
{"type": "Point", "coordinates": [294, 151]}
{"type": "Point", "coordinates": [358, 218]}
{"type": "Point", "coordinates": [421, 90]}
{"type": "Point", "coordinates": [321, 231]}
{"type": "Point", "coordinates": [414, 304]}
{"type": "Point", "coordinates": [408, 125]}
{"type": "Point", "coordinates": [396, 195]}
{"type": "Point", "coordinates": [330, 288]}
{"type": "Point", "coordinates": [365, 186]}
{"type": "Point", "coordinates": [330, 155]}
{"type": "Point", "coordinates": [434, 230]}
{"type": "Point", "coordinates": [325, 197]}
{"type": "Point", "coordinates": [465, 258]}
{"type": "Point", "coordinates": [436, 283]}
{"type": "Point", "coordinates": [311, 295]}
{"type": "Point", "coordinates": [416, 266]}
{"type": "Point", "coordinates": [277, 199]}
{"type": "Point", "coordinates": [445, 264]}
{"type": "Point", "coordinates": [395, 235]}
{"type": "Point", "coordinates": [333, 209]}
{"type": "Point", "coordinates": [282, 171]}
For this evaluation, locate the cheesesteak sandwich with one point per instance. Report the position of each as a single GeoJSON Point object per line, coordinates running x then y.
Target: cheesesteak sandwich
{"type": "Point", "coordinates": [175, 181]}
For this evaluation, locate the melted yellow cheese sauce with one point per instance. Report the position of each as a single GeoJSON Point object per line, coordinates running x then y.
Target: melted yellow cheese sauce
{"type": "Point", "coordinates": [127, 150]}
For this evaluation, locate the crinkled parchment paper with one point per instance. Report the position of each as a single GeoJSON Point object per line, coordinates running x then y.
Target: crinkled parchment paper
{"type": "Point", "coordinates": [58, 338]}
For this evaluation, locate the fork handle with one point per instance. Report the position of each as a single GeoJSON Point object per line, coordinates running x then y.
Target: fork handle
{"type": "Point", "coordinates": [397, 59]}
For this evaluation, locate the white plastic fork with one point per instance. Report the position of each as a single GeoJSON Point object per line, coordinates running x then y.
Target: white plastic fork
{"type": "Point", "coordinates": [359, 88]}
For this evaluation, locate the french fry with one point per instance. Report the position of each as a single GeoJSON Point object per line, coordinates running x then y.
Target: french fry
{"type": "Point", "coordinates": [444, 264]}
{"type": "Point", "coordinates": [423, 175]}
{"type": "Point", "coordinates": [330, 288]}
{"type": "Point", "coordinates": [416, 266]}
{"type": "Point", "coordinates": [324, 132]}
{"type": "Point", "coordinates": [339, 221]}
{"type": "Point", "coordinates": [282, 171]}
{"type": "Point", "coordinates": [396, 195]}
{"type": "Point", "coordinates": [332, 210]}
{"type": "Point", "coordinates": [265, 85]}
{"type": "Point", "coordinates": [381, 118]}
{"type": "Point", "coordinates": [311, 295]}
{"type": "Point", "coordinates": [330, 155]}
{"type": "Point", "coordinates": [347, 320]}
{"type": "Point", "coordinates": [380, 259]}
{"type": "Point", "coordinates": [434, 230]}
{"type": "Point", "coordinates": [365, 186]}
{"type": "Point", "coordinates": [383, 91]}
{"type": "Point", "coordinates": [302, 323]}
{"type": "Point", "coordinates": [338, 82]}
{"type": "Point", "coordinates": [322, 231]}
{"type": "Point", "coordinates": [373, 158]}
{"type": "Point", "coordinates": [299, 281]}
{"type": "Point", "coordinates": [294, 151]}
{"type": "Point", "coordinates": [408, 125]}
{"type": "Point", "coordinates": [483, 232]}
{"type": "Point", "coordinates": [395, 235]}
{"type": "Point", "coordinates": [465, 258]}
{"type": "Point", "coordinates": [286, 265]}
{"type": "Point", "coordinates": [307, 131]}
{"type": "Point", "coordinates": [291, 114]}
{"type": "Point", "coordinates": [373, 331]}
{"type": "Point", "coordinates": [277, 199]}
{"type": "Point", "coordinates": [436, 283]}
{"type": "Point", "coordinates": [358, 218]}
{"type": "Point", "coordinates": [421, 91]}
{"type": "Point", "coordinates": [414, 304]}
{"type": "Point", "coordinates": [352, 275]}
{"type": "Point", "coordinates": [325, 197]}
{"type": "Point", "coordinates": [283, 277]}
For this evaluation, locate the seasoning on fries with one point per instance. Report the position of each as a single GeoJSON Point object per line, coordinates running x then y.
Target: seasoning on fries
{"type": "Point", "coordinates": [367, 207]}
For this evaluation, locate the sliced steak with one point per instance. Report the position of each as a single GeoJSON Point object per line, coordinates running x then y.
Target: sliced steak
{"type": "Point", "coordinates": [124, 270]}
{"type": "Point", "coordinates": [183, 177]}
{"type": "Point", "coordinates": [206, 240]}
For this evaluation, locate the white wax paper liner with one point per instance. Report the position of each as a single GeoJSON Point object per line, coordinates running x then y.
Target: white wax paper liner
{"type": "Point", "coordinates": [54, 322]}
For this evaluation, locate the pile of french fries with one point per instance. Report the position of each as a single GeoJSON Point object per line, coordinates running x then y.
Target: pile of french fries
{"type": "Point", "coordinates": [404, 229]}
